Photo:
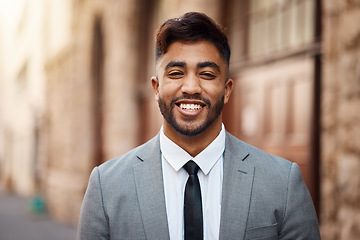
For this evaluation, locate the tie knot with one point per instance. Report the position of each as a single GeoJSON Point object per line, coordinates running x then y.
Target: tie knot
{"type": "Point", "coordinates": [191, 167]}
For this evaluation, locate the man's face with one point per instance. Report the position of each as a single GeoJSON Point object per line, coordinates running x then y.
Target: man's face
{"type": "Point", "coordinates": [191, 86]}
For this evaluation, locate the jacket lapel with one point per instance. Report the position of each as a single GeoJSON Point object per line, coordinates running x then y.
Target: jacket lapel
{"type": "Point", "coordinates": [150, 191]}
{"type": "Point", "coordinates": [236, 193]}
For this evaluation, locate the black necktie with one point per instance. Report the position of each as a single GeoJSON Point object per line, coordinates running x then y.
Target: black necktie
{"type": "Point", "coordinates": [193, 219]}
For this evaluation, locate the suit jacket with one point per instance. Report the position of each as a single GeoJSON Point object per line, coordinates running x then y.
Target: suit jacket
{"type": "Point", "coordinates": [264, 197]}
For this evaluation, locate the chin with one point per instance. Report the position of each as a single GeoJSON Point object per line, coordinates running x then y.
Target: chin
{"type": "Point", "coordinates": [192, 130]}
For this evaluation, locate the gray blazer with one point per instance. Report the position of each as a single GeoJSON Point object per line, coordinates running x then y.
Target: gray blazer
{"type": "Point", "coordinates": [264, 197]}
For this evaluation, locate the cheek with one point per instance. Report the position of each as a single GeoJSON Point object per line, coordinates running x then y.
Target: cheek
{"type": "Point", "coordinates": [168, 90]}
{"type": "Point", "coordinates": [215, 91]}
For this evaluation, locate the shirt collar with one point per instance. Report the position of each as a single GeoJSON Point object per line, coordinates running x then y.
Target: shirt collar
{"type": "Point", "coordinates": [177, 157]}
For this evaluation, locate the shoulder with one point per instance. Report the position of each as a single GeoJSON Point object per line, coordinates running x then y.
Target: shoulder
{"type": "Point", "coordinates": [265, 164]}
{"type": "Point", "coordinates": [254, 154]}
{"type": "Point", "coordinates": [277, 189]}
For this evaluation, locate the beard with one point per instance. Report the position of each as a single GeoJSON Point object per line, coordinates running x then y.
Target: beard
{"type": "Point", "coordinates": [187, 128]}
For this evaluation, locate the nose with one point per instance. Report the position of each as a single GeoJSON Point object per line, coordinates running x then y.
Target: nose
{"type": "Point", "coordinates": [191, 85]}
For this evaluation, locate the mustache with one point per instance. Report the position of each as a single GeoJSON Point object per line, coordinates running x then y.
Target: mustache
{"type": "Point", "coordinates": [190, 97]}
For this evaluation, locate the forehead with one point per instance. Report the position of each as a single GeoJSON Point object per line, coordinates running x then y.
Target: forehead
{"type": "Point", "coordinates": [191, 53]}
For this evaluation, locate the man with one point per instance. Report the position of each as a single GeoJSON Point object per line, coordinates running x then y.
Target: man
{"type": "Point", "coordinates": [234, 190]}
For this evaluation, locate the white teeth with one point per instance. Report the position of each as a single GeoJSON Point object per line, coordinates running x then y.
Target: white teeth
{"type": "Point", "coordinates": [190, 107]}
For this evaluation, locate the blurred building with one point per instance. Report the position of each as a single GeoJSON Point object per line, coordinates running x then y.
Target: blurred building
{"type": "Point", "coordinates": [22, 88]}
{"type": "Point", "coordinates": [75, 92]}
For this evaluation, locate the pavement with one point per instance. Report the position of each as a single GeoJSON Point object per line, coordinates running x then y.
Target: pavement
{"type": "Point", "coordinates": [17, 222]}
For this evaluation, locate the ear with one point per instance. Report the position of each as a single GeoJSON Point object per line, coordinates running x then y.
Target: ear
{"type": "Point", "coordinates": [228, 89]}
{"type": "Point", "coordinates": [155, 86]}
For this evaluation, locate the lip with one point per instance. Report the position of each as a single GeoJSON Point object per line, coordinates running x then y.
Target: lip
{"type": "Point", "coordinates": [192, 105]}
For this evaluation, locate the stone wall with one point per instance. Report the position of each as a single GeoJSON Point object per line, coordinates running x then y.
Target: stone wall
{"type": "Point", "coordinates": [70, 133]}
{"type": "Point", "coordinates": [67, 137]}
{"type": "Point", "coordinates": [340, 141]}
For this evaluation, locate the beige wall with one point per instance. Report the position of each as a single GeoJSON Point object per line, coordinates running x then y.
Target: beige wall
{"type": "Point", "coordinates": [22, 93]}
{"type": "Point", "coordinates": [340, 166]}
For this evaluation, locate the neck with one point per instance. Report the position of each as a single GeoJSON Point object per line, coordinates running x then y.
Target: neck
{"type": "Point", "coordinates": [194, 144]}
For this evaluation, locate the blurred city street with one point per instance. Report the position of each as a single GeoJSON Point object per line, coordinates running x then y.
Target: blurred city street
{"type": "Point", "coordinates": [18, 223]}
{"type": "Point", "coordinates": [76, 90]}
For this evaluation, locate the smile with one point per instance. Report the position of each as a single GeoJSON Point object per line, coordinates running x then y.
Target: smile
{"type": "Point", "coordinates": [190, 107]}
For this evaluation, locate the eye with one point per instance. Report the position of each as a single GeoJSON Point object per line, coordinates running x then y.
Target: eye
{"type": "Point", "coordinates": [207, 75]}
{"type": "Point", "coordinates": [175, 74]}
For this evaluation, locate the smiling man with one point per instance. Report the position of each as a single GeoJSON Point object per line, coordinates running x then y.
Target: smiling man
{"type": "Point", "coordinates": [194, 180]}
{"type": "Point", "coordinates": [191, 87]}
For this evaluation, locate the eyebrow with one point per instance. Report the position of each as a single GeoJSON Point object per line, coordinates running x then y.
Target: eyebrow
{"type": "Point", "coordinates": [208, 64]}
{"type": "Point", "coordinates": [199, 65]}
{"type": "Point", "coordinates": [175, 64]}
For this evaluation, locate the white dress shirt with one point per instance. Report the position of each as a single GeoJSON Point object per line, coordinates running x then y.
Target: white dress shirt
{"type": "Point", "coordinates": [210, 161]}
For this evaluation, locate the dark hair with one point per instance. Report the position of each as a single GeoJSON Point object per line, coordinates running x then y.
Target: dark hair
{"type": "Point", "coordinates": [192, 27]}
